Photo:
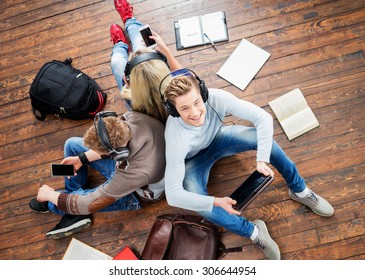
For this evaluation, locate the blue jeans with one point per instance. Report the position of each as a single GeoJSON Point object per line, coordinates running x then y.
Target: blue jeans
{"type": "Point", "coordinates": [105, 167]}
{"type": "Point", "coordinates": [119, 55]}
{"type": "Point", "coordinates": [231, 140]}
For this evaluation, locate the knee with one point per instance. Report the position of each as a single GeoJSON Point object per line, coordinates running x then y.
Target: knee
{"type": "Point", "coordinates": [194, 187]}
{"type": "Point", "coordinates": [72, 146]}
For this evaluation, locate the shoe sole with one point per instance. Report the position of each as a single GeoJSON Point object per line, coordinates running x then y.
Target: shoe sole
{"type": "Point", "coordinates": [42, 212]}
{"type": "Point", "coordinates": [64, 232]}
{"type": "Point", "coordinates": [291, 195]}
{"type": "Point", "coordinates": [151, 200]}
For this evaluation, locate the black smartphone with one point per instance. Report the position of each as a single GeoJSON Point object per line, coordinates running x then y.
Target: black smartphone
{"type": "Point", "coordinates": [249, 189]}
{"type": "Point", "coordinates": [63, 170]}
{"type": "Point", "coordinates": [145, 31]}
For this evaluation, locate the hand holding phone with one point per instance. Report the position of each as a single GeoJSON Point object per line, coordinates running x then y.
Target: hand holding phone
{"type": "Point", "coordinates": [63, 170]}
{"type": "Point", "coordinates": [146, 32]}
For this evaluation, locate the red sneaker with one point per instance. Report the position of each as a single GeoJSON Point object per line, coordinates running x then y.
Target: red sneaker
{"type": "Point", "coordinates": [117, 34]}
{"type": "Point", "coordinates": [124, 9]}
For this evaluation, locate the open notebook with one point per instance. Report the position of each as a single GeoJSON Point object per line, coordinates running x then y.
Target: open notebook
{"type": "Point", "coordinates": [189, 32]}
{"type": "Point", "coordinates": [243, 64]}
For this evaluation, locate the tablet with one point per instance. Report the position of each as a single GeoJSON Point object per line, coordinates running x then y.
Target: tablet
{"type": "Point", "coordinates": [249, 189]}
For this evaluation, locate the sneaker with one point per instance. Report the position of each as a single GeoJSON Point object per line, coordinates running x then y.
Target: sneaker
{"type": "Point", "coordinates": [148, 195]}
{"type": "Point", "coordinates": [39, 207]}
{"type": "Point", "coordinates": [68, 225]}
{"type": "Point", "coordinates": [124, 9]}
{"type": "Point", "coordinates": [265, 242]}
{"type": "Point", "coordinates": [318, 204]}
{"type": "Point", "coordinates": [117, 34]}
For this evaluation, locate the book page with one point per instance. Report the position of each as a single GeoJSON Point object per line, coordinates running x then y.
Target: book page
{"type": "Point", "coordinates": [190, 32]}
{"type": "Point", "coordinates": [78, 250]}
{"type": "Point", "coordinates": [243, 64]}
{"type": "Point", "coordinates": [299, 123]}
{"type": "Point", "coordinates": [288, 104]}
{"type": "Point", "coordinates": [215, 27]}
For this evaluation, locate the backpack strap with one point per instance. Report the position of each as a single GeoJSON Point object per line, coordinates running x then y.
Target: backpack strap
{"type": "Point", "coordinates": [223, 251]}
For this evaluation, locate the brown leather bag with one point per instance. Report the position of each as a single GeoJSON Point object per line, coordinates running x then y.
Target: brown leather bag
{"type": "Point", "coordinates": [182, 237]}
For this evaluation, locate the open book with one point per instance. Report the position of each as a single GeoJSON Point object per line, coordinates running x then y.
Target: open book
{"type": "Point", "coordinates": [243, 64]}
{"type": "Point", "coordinates": [189, 32]}
{"type": "Point", "coordinates": [294, 114]}
{"type": "Point", "coordinates": [78, 250]}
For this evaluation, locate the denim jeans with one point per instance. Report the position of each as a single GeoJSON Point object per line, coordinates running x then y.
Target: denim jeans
{"type": "Point", "coordinates": [231, 140]}
{"type": "Point", "coordinates": [105, 167]}
{"type": "Point", "coordinates": [119, 57]}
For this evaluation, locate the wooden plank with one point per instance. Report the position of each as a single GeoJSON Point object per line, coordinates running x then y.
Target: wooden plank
{"type": "Point", "coordinates": [317, 45]}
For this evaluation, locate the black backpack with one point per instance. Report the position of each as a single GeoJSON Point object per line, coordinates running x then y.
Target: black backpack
{"type": "Point", "coordinates": [65, 91]}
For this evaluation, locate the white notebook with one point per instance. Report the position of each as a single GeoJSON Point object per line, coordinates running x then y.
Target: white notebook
{"type": "Point", "coordinates": [243, 64]}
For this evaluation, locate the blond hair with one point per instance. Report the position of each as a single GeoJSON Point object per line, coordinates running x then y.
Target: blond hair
{"type": "Point", "coordinates": [118, 132]}
{"type": "Point", "coordinates": [178, 86]}
{"type": "Point", "coordinates": [144, 83]}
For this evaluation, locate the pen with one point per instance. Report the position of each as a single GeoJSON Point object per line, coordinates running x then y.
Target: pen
{"type": "Point", "coordinates": [210, 41]}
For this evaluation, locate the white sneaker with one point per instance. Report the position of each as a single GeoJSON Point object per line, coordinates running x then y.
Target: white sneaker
{"type": "Point", "coordinates": [265, 242]}
{"type": "Point", "coordinates": [317, 203]}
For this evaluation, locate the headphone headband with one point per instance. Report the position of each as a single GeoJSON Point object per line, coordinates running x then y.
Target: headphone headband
{"type": "Point", "coordinates": [118, 154]}
{"type": "Point", "coordinates": [142, 58]}
{"type": "Point", "coordinates": [182, 72]}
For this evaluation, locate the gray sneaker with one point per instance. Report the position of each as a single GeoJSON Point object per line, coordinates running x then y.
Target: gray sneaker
{"type": "Point", "coordinates": [265, 242]}
{"type": "Point", "coordinates": [317, 203]}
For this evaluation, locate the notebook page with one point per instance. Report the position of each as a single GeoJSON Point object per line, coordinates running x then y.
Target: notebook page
{"type": "Point", "coordinates": [190, 32]}
{"type": "Point", "coordinates": [214, 26]}
{"type": "Point", "coordinates": [243, 64]}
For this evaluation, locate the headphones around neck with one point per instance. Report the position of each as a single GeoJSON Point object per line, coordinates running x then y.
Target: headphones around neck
{"type": "Point", "coordinates": [204, 92]}
{"type": "Point", "coordinates": [142, 58]}
{"type": "Point", "coordinates": [117, 154]}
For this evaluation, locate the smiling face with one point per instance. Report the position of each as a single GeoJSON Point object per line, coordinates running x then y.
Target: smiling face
{"type": "Point", "coordinates": [191, 107]}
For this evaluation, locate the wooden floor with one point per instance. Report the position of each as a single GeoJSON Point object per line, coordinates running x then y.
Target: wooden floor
{"type": "Point", "coordinates": [315, 45]}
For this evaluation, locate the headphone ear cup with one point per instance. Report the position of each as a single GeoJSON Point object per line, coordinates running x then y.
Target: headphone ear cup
{"type": "Point", "coordinates": [203, 90]}
{"type": "Point", "coordinates": [120, 154]}
{"type": "Point", "coordinates": [171, 109]}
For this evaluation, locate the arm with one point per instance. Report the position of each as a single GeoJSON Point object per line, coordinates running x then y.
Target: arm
{"type": "Point", "coordinates": [186, 196]}
{"type": "Point", "coordinates": [244, 110]}
{"type": "Point", "coordinates": [75, 160]}
{"type": "Point", "coordinates": [47, 193]}
{"type": "Point", "coordinates": [161, 46]}
{"type": "Point", "coordinates": [86, 202]}
{"type": "Point", "coordinates": [177, 196]}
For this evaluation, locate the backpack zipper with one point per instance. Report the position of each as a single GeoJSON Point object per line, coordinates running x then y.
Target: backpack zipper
{"type": "Point", "coordinates": [62, 109]}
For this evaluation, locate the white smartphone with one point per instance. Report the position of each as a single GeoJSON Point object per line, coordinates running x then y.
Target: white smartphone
{"type": "Point", "coordinates": [146, 31]}
{"type": "Point", "coordinates": [64, 170]}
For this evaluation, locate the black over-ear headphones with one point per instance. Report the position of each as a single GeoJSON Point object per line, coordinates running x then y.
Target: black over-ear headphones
{"type": "Point", "coordinates": [204, 92]}
{"type": "Point", "coordinates": [142, 58]}
{"type": "Point", "coordinates": [118, 154]}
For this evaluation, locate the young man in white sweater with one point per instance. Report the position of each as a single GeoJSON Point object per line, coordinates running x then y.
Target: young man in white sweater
{"type": "Point", "coordinates": [196, 138]}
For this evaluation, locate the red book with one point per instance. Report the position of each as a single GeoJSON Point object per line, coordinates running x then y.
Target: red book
{"type": "Point", "coordinates": [126, 254]}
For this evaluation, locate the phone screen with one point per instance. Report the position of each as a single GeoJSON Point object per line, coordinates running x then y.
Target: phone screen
{"type": "Point", "coordinates": [145, 33]}
{"type": "Point", "coordinates": [249, 188]}
{"type": "Point", "coordinates": [62, 170]}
